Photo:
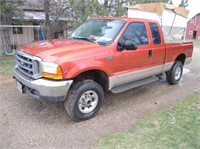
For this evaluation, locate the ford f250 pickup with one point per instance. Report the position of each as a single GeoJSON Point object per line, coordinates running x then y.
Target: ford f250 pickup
{"type": "Point", "coordinates": [103, 54]}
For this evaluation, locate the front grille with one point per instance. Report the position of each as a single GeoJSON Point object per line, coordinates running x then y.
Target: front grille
{"type": "Point", "coordinates": [28, 65]}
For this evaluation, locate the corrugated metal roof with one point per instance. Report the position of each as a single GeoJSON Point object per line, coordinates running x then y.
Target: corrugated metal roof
{"type": "Point", "coordinates": [34, 15]}
{"type": "Point", "coordinates": [38, 15]}
{"type": "Point", "coordinates": [34, 5]}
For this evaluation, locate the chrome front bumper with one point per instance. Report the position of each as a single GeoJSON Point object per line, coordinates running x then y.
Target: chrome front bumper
{"type": "Point", "coordinates": [43, 89]}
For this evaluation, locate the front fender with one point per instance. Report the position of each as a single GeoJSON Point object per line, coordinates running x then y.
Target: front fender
{"type": "Point", "coordinates": [79, 68]}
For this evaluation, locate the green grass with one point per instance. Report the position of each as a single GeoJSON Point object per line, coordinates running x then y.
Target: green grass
{"type": "Point", "coordinates": [6, 66]}
{"type": "Point", "coordinates": [1, 52]}
{"type": "Point", "coordinates": [196, 43]}
{"type": "Point", "coordinates": [178, 127]}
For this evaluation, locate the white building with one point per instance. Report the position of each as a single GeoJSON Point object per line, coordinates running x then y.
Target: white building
{"type": "Point", "coordinates": [172, 19]}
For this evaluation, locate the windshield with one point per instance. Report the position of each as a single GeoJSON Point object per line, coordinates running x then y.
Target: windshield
{"type": "Point", "coordinates": [99, 31]}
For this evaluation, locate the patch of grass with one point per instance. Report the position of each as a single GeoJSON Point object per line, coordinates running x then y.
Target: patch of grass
{"type": "Point", "coordinates": [6, 65]}
{"type": "Point", "coordinates": [178, 127]}
{"type": "Point", "coordinates": [196, 43]}
{"type": "Point", "coordinates": [1, 52]}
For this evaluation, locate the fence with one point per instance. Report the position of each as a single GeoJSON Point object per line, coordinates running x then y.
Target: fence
{"type": "Point", "coordinates": [13, 36]}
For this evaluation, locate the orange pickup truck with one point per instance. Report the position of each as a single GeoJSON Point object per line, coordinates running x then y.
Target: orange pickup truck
{"type": "Point", "coordinates": [103, 54]}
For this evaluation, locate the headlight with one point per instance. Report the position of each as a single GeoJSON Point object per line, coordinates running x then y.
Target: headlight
{"type": "Point", "coordinates": [51, 70]}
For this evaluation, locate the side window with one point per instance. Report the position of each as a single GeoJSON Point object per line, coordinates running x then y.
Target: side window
{"type": "Point", "coordinates": [155, 33]}
{"type": "Point", "coordinates": [137, 33]}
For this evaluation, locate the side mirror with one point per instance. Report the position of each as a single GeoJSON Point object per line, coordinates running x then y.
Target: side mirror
{"type": "Point", "coordinates": [129, 45]}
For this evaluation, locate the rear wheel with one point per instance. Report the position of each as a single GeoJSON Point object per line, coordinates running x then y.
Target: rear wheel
{"type": "Point", "coordinates": [84, 100]}
{"type": "Point", "coordinates": [175, 73]}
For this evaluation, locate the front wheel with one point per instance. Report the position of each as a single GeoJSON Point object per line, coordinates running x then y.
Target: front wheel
{"type": "Point", "coordinates": [175, 73]}
{"type": "Point", "coordinates": [84, 100]}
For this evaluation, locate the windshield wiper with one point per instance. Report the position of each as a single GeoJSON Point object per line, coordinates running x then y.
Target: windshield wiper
{"type": "Point", "coordinates": [82, 38]}
{"type": "Point", "coordinates": [71, 37]}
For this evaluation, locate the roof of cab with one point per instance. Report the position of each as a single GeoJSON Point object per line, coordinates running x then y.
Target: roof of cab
{"type": "Point", "coordinates": [124, 18]}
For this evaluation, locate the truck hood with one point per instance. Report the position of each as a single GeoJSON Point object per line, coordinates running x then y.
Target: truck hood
{"type": "Point", "coordinates": [51, 50]}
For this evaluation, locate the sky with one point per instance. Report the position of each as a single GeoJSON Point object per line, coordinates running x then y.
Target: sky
{"type": "Point", "coordinates": [193, 7]}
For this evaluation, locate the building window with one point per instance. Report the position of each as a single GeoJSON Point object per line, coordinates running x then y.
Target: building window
{"type": "Point", "coordinates": [192, 21]}
{"type": "Point", "coordinates": [59, 34]}
{"type": "Point", "coordinates": [17, 30]}
{"type": "Point", "coordinates": [190, 32]}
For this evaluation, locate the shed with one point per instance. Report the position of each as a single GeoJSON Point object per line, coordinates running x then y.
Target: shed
{"type": "Point", "coordinates": [172, 19]}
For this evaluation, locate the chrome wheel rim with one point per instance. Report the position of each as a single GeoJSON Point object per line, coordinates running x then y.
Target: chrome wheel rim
{"type": "Point", "coordinates": [177, 73]}
{"type": "Point", "coordinates": [88, 102]}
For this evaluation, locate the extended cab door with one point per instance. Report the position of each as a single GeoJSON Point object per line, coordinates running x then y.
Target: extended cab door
{"type": "Point", "coordinates": [157, 48]}
{"type": "Point", "coordinates": [133, 64]}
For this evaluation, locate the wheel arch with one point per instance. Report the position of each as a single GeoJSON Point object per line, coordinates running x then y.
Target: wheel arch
{"type": "Point", "coordinates": [97, 75]}
{"type": "Point", "coordinates": [181, 58]}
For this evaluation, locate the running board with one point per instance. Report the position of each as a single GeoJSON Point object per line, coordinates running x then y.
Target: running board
{"type": "Point", "coordinates": [134, 84]}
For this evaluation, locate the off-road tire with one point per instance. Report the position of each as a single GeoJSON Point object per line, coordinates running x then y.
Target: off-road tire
{"type": "Point", "coordinates": [175, 73]}
{"type": "Point", "coordinates": [75, 94]}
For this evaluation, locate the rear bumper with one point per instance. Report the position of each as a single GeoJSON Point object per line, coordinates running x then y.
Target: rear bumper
{"type": "Point", "coordinates": [43, 89]}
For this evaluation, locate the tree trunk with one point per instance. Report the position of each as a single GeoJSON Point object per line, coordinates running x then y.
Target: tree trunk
{"type": "Point", "coordinates": [5, 36]}
{"type": "Point", "coordinates": [84, 10]}
{"type": "Point", "coordinates": [47, 19]}
{"type": "Point", "coordinates": [105, 3]}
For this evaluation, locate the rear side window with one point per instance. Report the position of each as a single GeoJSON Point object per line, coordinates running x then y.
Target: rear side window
{"type": "Point", "coordinates": [155, 33]}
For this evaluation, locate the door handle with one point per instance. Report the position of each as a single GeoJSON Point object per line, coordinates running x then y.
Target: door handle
{"type": "Point", "coordinates": [150, 53]}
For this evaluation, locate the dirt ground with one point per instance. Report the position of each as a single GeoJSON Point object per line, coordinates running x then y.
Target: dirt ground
{"type": "Point", "coordinates": [28, 123]}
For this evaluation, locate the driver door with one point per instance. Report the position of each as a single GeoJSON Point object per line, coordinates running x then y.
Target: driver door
{"type": "Point", "coordinates": [133, 64]}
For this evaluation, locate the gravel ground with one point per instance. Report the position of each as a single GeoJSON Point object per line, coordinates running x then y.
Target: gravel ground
{"type": "Point", "coordinates": [28, 123]}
